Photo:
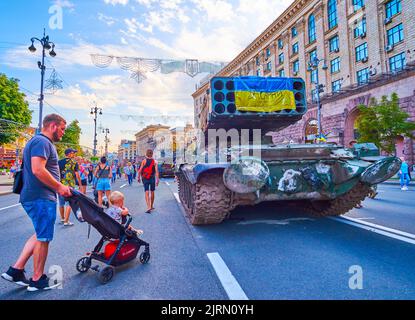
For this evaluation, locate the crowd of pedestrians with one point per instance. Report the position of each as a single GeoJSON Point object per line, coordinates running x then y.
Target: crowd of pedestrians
{"type": "Point", "coordinates": [47, 180]}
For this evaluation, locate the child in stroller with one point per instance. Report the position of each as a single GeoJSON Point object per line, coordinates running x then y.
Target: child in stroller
{"type": "Point", "coordinates": [122, 244]}
{"type": "Point", "coordinates": [118, 212]}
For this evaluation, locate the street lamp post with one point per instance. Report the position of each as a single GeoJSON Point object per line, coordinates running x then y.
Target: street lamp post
{"type": "Point", "coordinates": [312, 66]}
{"type": "Point", "coordinates": [49, 46]}
{"type": "Point", "coordinates": [95, 111]}
{"type": "Point", "coordinates": [106, 131]}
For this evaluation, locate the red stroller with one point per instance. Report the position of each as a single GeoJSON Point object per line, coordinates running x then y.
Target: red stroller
{"type": "Point", "coordinates": [121, 244]}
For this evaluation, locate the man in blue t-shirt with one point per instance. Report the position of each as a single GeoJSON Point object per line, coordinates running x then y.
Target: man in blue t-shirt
{"type": "Point", "coordinates": [404, 175]}
{"type": "Point", "coordinates": [38, 197]}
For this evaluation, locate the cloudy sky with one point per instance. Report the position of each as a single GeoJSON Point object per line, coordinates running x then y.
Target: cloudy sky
{"type": "Point", "coordinates": [207, 30]}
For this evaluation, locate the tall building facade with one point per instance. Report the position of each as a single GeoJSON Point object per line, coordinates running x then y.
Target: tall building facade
{"type": "Point", "coordinates": [366, 48]}
{"type": "Point", "coordinates": [148, 138]}
{"type": "Point", "coordinates": [127, 151]}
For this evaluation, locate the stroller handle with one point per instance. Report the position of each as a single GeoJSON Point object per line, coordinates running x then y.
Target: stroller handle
{"type": "Point", "coordinates": [129, 220]}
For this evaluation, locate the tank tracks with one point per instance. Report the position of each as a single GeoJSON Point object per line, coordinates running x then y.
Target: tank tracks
{"type": "Point", "coordinates": [340, 205]}
{"type": "Point", "coordinates": [208, 201]}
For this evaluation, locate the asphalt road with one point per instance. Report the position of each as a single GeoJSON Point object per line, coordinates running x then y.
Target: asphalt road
{"type": "Point", "coordinates": [271, 251]}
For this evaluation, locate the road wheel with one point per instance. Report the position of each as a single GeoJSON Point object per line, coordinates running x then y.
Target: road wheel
{"type": "Point", "coordinates": [208, 201]}
{"type": "Point", "coordinates": [83, 264]}
{"type": "Point", "coordinates": [106, 274]}
{"type": "Point", "coordinates": [341, 204]}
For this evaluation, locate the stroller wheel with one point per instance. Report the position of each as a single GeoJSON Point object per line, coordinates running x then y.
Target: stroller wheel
{"type": "Point", "coordinates": [144, 257]}
{"type": "Point", "coordinates": [83, 264]}
{"type": "Point", "coordinates": [106, 274]}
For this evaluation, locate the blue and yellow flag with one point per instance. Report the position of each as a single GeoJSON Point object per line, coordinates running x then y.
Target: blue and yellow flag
{"type": "Point", "coordinates": [258, 94]}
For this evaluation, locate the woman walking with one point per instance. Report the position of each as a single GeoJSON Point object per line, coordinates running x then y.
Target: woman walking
{"type": "Point", "coordinates": [114, 172]}
{"type": "Point", "coordinates": [128, 170]}
{"type": "Point", "coordinates": [103, 175]}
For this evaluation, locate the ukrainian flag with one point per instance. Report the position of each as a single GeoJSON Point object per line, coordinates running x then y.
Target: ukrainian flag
{"type": "Point", "coordinates": [258, 94]}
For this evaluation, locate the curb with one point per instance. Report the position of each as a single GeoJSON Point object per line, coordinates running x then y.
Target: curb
{"type": "Point", "coordinates": [395, 183]}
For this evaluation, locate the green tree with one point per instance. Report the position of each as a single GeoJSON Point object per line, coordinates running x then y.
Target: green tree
{"type": "Point", "coordinates": [71, 139]}
{"type": "Point", "coordinates": [14, 110]}
{"type": "Point", "coordinates": [382, 122]}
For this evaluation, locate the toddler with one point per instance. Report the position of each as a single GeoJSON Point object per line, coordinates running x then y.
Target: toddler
{"type": "Point", "coordinates": [117, 210]}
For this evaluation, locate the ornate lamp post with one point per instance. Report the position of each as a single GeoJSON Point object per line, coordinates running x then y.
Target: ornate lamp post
{"type": "Point", "coordinates": [95, 111]}
{"type": "Point", "coordinates": [47, 45]}
{"type": "Point", "coordinates": [106, 131]}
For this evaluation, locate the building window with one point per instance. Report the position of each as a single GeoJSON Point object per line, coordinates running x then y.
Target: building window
{"type": "Point", "coordinates": [314, 76]}
{"type": "Point", "coordinates": [313, 54]}
{"type": "Point", "coordinates": [295, 48]}
{"type": "Point", "coordinates": [296, 66]}
{"type": "Point", "coordinates": [336, 86]}
{"type": "Point", "coordinates": [334, 44]}
{"type": "Point", "coordinates": [269, 66]}
{"type": "Point", "coordinates": [268, 52]}
{"type": "Point", "coordinates": [332, 13]}
{"type": "Point", "coordinates": [392, 7]}
{"type": "Point", "coordinates": [357, 4]}
{"type": "Point", "coordinates": [311, 29]}
{"type": "Point", "coordinates": [363, 76]}
{"type": "Point", "coordinates": [335, 65]}
{"type": "Point", "coordinates": [257, 61]}
{"type": "Point", "coordinates": [281, 73]}
{"type": "Point", "coordinates": [395, 35]}
{"type": "Point", "coordinates": [258, 72]}
{"type": "Point", "coordinates": [361, 52]}
{"type": "Point", "coordinates": [360, 29]}
{"type": "Point", "coordinates": [281, 58]}
{"type": "Point", "coordinates": [280, 44]}
{"type": "Point", "coordinates": [293, 32]}
{"type": "Point", "coordinates": [397, 63]}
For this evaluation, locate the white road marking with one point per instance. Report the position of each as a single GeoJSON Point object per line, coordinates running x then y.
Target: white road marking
{"type": "Point", "coordinates": [123, 186]}
{"type": "Point", "coordinates": [167, 183]}
{"type": "Point", "coordinates": [228, 281]}
{"type": "Point", "coordinates": [176, 195]}
{"type": "Point", "coordinates": [275, 222]}
{"type": "Point", "coordinates": [15, 205]}
{"type": "Point", "coordinates": [368, 218]}
{"type": "Point", "coordinates": [388, 232]}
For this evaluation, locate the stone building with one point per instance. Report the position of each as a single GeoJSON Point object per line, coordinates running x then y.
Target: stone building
{"type": "Point", "coordinates": [366, 48]}
{"type": "Point", "coordinates": [127, 151]}
{"type": "Point", "coordinates": [148, 138]}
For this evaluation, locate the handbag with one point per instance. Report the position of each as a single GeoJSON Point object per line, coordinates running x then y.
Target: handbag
{"type": "Point", "coordinates": [18, 181]}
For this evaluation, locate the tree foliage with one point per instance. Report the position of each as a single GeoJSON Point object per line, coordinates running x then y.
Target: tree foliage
{"type": "Point", "coordinates": [383, 122]}
{"type": "Point", "coordinates": [13, 107]}
{"type": "Point", "coordinates": [71, 139]}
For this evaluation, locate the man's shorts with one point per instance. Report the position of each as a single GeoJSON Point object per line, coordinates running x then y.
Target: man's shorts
{"type": "Point", "coordinates": [43, 215]}
{"type": "Point", "coordinates": [149, 184]}
{"type": "Point", "coordinates": [104, 184]}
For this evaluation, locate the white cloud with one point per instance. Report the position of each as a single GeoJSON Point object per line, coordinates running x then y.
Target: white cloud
{"type": "Point", "coordinates": [218, 30]}
{"type": "Point", "coordinates": [115, 2]}
{"type": "Point", "coordinates": [64, 4]}
{"type": "Point", "coordinates": [109, 21]}
{"type": "Point", "coordinates": [216, 10]}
